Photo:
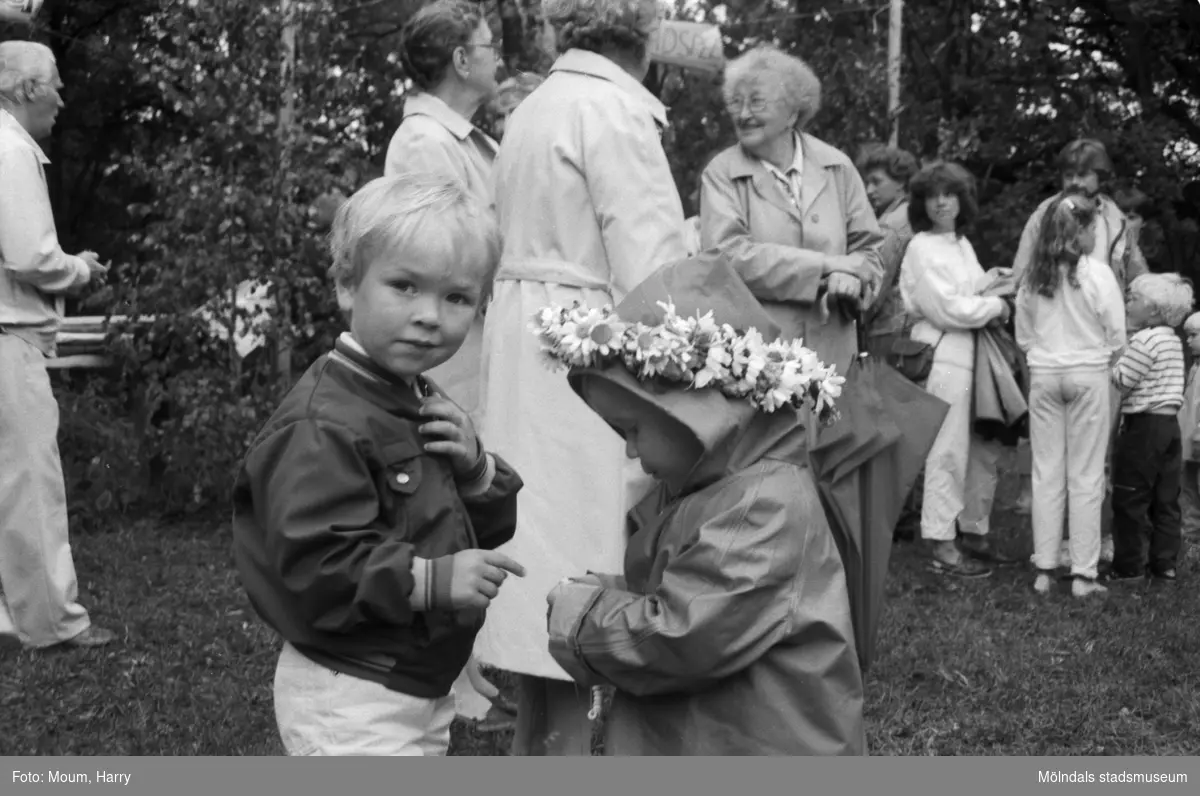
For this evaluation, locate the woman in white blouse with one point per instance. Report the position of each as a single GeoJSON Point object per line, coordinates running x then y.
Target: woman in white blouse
{"type": "Point", "coordinates": [940, 283]}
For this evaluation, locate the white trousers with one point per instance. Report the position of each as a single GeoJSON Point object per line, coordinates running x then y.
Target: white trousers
{"type": "Point", "coordinates": [37, 573]}
{"type": "Point", "coordinates": [960, 471]}
{"type": "Point", "coordinates": [1069, 415]}
{"type": "Point", "coordinates": [323, 713]}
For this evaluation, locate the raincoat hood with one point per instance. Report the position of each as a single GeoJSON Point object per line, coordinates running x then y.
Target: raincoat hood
{"type": "Point", "coordinates": [731, 431]}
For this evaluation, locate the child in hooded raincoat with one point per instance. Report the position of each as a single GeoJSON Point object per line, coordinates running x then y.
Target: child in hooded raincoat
{"type": "Point", "coordinates": [730, 630]}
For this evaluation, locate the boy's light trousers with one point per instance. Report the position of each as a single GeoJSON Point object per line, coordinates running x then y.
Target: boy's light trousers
{"type": "Point", "coordinates": [36, 571]}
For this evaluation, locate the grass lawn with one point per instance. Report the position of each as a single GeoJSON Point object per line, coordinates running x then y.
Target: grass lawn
{"type": "Point", "coordinates": [979, 668]}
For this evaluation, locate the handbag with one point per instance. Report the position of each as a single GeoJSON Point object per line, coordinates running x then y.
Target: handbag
{"type": "Point", "coordinates": [913, 359]}
{"type": "Point", "coordinates": [910, 358]}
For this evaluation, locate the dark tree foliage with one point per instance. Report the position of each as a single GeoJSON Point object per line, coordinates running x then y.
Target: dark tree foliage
{"type": "Point", "coordinates": [170, 158]}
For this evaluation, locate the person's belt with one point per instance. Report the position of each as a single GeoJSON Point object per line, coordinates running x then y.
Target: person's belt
{"type": "Point", "coordinates": [557, 272]}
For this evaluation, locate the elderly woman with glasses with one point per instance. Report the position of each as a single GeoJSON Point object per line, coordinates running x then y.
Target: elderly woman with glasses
{"type": "Point", "coordinates": [790, 210]}
{"type": "Point", "coordinates": [587, 210]}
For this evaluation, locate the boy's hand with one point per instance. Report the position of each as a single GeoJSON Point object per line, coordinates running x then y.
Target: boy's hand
{"type": "Point", "coordinates": [451, 424]}
{"type": "Point", "coordinates": [477, 577]}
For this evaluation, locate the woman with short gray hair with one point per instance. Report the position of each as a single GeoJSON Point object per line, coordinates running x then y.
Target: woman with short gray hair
{"type": "Point", "coordinates": [789, 210]}
{"type": "Point", "coordinates": [587, 210]}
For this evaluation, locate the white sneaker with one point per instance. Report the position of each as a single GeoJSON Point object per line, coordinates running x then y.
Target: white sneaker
{"type": "Point", "coordinates": [1106, 549]}
{"type": "Point", "coordinates": [1043, 583]}
{"type": "Point", "coordinates": [1083, 588]}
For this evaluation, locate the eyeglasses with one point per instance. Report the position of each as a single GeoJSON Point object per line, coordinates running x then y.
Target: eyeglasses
{"type": "Point", "coordinates": [756, 105]}
{"type": "Point", "coordinates": [495, 46]}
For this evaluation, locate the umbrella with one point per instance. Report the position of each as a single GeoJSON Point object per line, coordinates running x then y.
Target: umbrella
{"type": "Point", "coordinates": [866, 464]}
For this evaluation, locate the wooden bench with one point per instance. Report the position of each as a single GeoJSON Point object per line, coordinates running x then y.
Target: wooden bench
{"type": "Point", "coordinates": [81, 341]}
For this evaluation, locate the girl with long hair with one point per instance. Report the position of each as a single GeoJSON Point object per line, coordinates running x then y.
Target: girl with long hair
{"type": "Point", "coordinates": [1070, 321]}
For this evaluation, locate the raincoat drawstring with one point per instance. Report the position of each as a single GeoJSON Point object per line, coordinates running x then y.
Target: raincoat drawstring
{"type": "Point", "coordinates": [597, 703]}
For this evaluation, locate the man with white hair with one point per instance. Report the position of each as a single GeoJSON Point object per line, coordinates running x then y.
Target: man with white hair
{"type": "Point", "coordinates": [39, 606]}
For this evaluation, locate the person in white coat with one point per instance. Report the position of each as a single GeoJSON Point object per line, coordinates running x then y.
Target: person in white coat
{"type": "Point", "coordinates": [448, 50]}
{"type": "Point", "coordinates": [940, 283]}
{"type": "Point", "coordinates": [587, 209]}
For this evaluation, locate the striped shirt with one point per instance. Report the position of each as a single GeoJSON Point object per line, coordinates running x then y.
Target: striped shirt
{"type": "Point", "coordinates": [1150, 372]}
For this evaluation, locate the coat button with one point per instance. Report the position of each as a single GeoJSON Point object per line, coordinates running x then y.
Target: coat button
{"type": "Point", "coordinates": [816, 219]}
{"type": "Point", "coordinates": [402, 478]}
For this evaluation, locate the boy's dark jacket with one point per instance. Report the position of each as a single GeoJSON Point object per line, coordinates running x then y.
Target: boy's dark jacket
{"type": "Point", "coordinates": [335, 497]}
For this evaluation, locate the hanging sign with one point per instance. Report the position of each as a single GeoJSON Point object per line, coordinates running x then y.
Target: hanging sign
{"type": "Point", "coordinates": [691, 45]}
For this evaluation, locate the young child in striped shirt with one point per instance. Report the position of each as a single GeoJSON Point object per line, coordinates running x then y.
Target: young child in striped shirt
{"type": "Point", "coordinates": [1148, 460]}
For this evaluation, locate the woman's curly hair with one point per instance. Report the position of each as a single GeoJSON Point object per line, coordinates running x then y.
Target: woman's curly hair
{"type": "Point", "coordinates": [799, 85]}
{"type": "Point", "coordinates": [600, 25]}
{"type": "Point", "coordinates": [1058, 245]}
{"type": "Point", "coordinates": [431, 36]}
{"type": "Point", "coordinates": [937, 178]}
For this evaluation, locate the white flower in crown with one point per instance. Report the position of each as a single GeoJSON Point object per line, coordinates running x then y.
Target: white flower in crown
{"type": "Point", "coordinates": [582, 334]}
{"type": "Point", "coordinates": [695, 353]}
{"type": "Point", "coordinates": [653, 351]}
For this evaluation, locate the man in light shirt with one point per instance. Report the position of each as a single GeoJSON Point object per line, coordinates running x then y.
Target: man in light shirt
{"type": "Point", "coordinates": [38, 607]}
{"type": "Point", "coordinates": [1085, 166]}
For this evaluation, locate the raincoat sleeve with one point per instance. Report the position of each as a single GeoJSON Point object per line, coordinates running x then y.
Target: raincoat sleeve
{"type": "Point", "coordinates": [864, 239]}
{"type": "Point", "coordinates": [938, 294]}
{"type": "Point", "coordinates": [772, 271]}
{"type": "Point", "coordinates": [723, 602]}
{"type": "Point", "coordinates": [637, 205]}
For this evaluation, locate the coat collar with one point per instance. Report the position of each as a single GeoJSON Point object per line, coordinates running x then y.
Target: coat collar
{"type": "Point", "coordinates": [815, 179]}
{"type": "Point", "coordinates": [584, 62]}
{"type": "Point", "coordinates": [9, 122]}
{"type": "Point", "coordinates": [425, 104]}
{"type": "Point", "coordinates": [388, 391]}
{"type": "Point", "coordinates": [896, 214]}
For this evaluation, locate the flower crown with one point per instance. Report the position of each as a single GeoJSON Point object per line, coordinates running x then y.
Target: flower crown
{"type": "Point", "coordinates": [695, 352]}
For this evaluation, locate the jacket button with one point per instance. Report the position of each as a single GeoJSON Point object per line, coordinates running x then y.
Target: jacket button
{"type": "Point", "coordinates": [402, 478]}
{"type": "Point", "coordinates": [816, 219]}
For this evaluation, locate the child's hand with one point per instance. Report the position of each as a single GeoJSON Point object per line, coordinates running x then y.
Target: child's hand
{"type": "Point", "coordinates": [458, 439]}
{"type": "Point", "coordinates": [477, 577]}
{"type": "Point", "coordinates": [480, 683]}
